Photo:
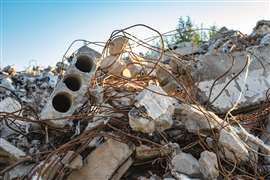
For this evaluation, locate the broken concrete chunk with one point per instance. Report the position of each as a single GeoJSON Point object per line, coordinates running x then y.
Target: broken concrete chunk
{"type": "Point", "coordinates": [6, 82]}
{"type": "Point", "coordinates": [9, 105]}
{"type": "Point", "coordinates": [233, 147]}
{"type": "Point", "coordinates": [253, 86]}
{"type": "Point", "coordinates": [8, 152]}
{"type": "Point", "coordinates": [185, 163]}
{"type": "Point", "coordinates": [209, 165]}
{"type": "Point", "coordinates": [113, 65]}
{"type": "Point", "coordinates": [132, 70]}
{"type": "Point", "coordinates": [196, 118]}
{"type": "Point", "coordinates": [155, 101]}
{"type": "Point", "coordinates": [76, 163]}
{"type": "Point", "coordinates": [266, 138]}
{"type": "Point", "coordinates": [122, 170]}
{"type": "Point", "coordinates": [103, 161]}
{"type": "Point", "coordinates": [153, 111]}
{"type": "Point", "coordinates": [262, 27]}
{"type": "Point", "coordinates": [145, 152]}
{"type": "Point", "coordinates": [118, 46]}
{"type": "Point", "coordinates": [265, 40]}
{"type": "Point", "coordinates": [19, 171]}
{"type": "Point", "coordinates": [179, 176]}
{"type": "Point", "coordinates": [139, 123]}
{"type": "Point", "coordinates": [253, 143]}
{"type": "Point", "coordinates": [166, 80]}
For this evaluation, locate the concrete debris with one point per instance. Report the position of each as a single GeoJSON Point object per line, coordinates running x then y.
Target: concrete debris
{"type": "Point", "coordinates": [185, 163]}
{"type": "Point", "coordinates": [196, 118]}
{"type": "Point", "coordinates": [7, 128]}
{"type": "Point", "coordinates": [152, 111]}
{"type": "Point", "coordinates": [209, 165]}
{"type": "Point", "coordinates": [266, 138]}
{"type": "Point", "coordinates": [132, 70]}
{"type": "Point", "coordinates": [186, 48]}
{"type": "Point", "coordinates": [122, 170]}
{"type": "Point", "coordinates": [69, 94]}
{"type": "Point", "coordinates": [265, 40]}
{"type": "Point", "coordinates": [252, 82]}
{"type": "Point", "coordinates": [166, 80]}
{"type": "Point", "coordinates": [18, 172]}
{"type": "Point", "coordinates": [9, 105]}
{"type": "Point", "coordinates": [110, 156]}
{"type": "Point", "coordinates": [262, 27]}
{"type": "Point", "coordinates": [145, 152]}
{"type": "Point", "coordinates": [179, 176]}
{"type": "Point", "coordinates": [113, 65]}
{"type": "Point", "coordinates": [76, 162]}
{"type": "Point", "coordinates": [117, 46]}
{"type": "Point", "coordinates": [196, 111]}
{"type": "Point", "coordinates": [234, 149]}
{"type": "Point", "coordinates": [9, 153]}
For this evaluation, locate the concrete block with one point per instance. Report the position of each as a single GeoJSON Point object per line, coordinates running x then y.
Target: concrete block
{"type": "Point", "coordinates": [69, 93]}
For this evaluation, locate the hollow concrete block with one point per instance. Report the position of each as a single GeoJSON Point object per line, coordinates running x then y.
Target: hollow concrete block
{"type": "Point", "coordinates": [69, 93]}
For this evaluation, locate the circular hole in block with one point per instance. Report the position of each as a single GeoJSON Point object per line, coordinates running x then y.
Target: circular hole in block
{"type": "Point", "coordinates": [73, 82]}
{"type": "Point", "coordinates": [62, 102]}
{"type": "Point", "coordinates": [84, 63]}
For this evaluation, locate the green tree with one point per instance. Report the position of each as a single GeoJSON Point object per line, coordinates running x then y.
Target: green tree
{"type": "Point", "coordinates": [184, 29]}
{"type": "Point", "coordinates": [187, 31]}
{"type": "Point", "coordinates": [196, 38]}
{"type": "Point", "coordinates": [212, 31]}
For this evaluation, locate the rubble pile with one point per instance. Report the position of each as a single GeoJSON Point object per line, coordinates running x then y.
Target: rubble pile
{"type": "Point", "coordinates": [195, 112]}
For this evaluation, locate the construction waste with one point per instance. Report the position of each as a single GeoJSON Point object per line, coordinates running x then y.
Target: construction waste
{"type": "Point", "coordinates": [198, 111]}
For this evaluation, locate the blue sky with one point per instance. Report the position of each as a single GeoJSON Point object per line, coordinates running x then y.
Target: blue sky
{"type": "Point", "coordinates": [39, 32]}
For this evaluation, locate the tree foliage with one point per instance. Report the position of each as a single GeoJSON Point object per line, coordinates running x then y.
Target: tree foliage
{"type": "Point", "coordinates": [187, 31]}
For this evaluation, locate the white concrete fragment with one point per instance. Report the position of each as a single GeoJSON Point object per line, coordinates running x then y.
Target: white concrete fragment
{"type": "Point", "coordinates": [254, 144]}
{"type": "Point", "coordinates": [6, 82]}
{"type": "Point", "coordinates": [103, 161]}
{"type": "Point", "coordinates": [196, 118]}
{"type": "Point", "coordinates": [18, 172]}
{"type": "Point", "coordinates": [209, 67]}
{"type": "Point", "coordinates": [152, 111]}
{"type": "Point", "coordinates": [237, 144]}
{"type": "Point", "coordinates": [10, 151]}
{"type": "Point", "coordinates": [209, 165]}
{"type": "Point", "coordinates": [266, 138]}
{"type": "Point", "coordinates": [233, 146]}
{"type": "Point", "coordinates": [179, 176]}
{"type": "Point", "coordinates": [132, 70]}
{"type": "Point", "coordinates": [186, 164]}
{"type": "Point", "coordinates": [113, 65]}
{"type": "Point", "coordinates": [9, 105]}
{"type": "Point", "coordinates": [265, 40]}
{"type": "Point", "coordinates": [155, 104]}
{"type": "Point", "coordinates": [118, 45]}
{"type": "Point", "coordinates": [139, 123]}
